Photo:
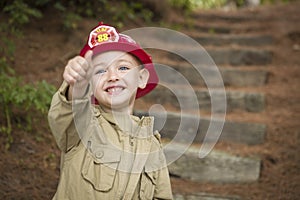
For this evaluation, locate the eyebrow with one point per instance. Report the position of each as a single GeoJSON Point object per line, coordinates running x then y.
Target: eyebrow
{"type": "Point", "coordinates": [127, 61]}
{"type": "Point", "coordinates": [100, 65]}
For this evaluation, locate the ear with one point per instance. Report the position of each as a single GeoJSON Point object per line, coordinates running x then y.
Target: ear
{"type": "Point", "coordinates": [143, 78]}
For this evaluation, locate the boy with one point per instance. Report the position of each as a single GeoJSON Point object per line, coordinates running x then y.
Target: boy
{"type": "Point", "coordinates": [107, 153]}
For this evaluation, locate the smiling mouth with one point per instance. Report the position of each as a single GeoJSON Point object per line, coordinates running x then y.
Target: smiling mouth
{"type": "Point", "coordinates": [114, 90]}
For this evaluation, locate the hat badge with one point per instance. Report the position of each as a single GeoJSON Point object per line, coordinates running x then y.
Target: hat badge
{"type": "Point", "coordinates": [102, 34]}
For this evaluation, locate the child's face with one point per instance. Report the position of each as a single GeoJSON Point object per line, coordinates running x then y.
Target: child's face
{"type": "Point", "coordinates": [117, 76]}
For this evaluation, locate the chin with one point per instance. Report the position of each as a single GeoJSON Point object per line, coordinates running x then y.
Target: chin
{"type": "Point", "coordinates": [118, 102]}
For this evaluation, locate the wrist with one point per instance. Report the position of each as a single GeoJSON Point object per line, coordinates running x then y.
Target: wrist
{"type": "Point", "coordinates": [78, 91]}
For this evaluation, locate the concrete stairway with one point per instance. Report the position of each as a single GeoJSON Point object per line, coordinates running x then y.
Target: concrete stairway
{"type": "Point", "coordinates": [241, 54]}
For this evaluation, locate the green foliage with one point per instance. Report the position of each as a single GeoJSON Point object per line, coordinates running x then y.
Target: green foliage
{"type": "Point", "coordinates": [70, 20]}
{"type": "Point", "coordinates": [128, 11]}
{"type": "Point", "coordinates": [186, 5]}
{"type": "Point", "coordinates": [120, 11]}
{"type": "Point", "coordinates": [20, 12]}
{"type": "Point", "coordinates": [275, 1]}
{"type": "Point", "coordinates": [209, 4]}
{"type": "Point", "coordinates": [17, 97]}
{"type": "Point", "coordinates": [20, 102]}
{"type": "Point", "coordinates": [239, 3]}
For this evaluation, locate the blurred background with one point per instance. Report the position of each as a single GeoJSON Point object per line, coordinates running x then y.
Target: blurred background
{"type": "Point", "coordinates": [254, 43]}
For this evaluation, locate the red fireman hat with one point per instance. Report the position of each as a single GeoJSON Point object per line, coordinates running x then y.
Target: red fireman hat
{"type": "Point", "coordinates": [106, 38]}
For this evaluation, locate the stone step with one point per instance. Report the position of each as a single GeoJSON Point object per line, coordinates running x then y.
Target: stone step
{"type": "Point", "coordinates": [234, 39]}
{"type": "Point", "coordinates": [212, 29]}
{"type": "Point", "coordinates": [197, 75]}
{"type": "Point", "coordinates": [244, 78]}
{"type": "Point", "coordinates": [183, 47]}
{"type": "Point", "coordinates": [241, 56]}
{"type": "Point", "coordinates": [187, 128]}
{"type": "Point", "coordinates": [204, 196]}
{"type": "Point", "coordinates": [227, 56]}
{"type": "Point", "coordinates": [225, 17]}
{"type": "Point", "coordinates": [190, 99]}
{"type": "Point", "coordinates": [224, 28]}
{"type": "Point", "coordinates": [216, 167]}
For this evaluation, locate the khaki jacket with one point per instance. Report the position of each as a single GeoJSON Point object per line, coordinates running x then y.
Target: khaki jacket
{"type": "Point", "coordinates": [106, 156]}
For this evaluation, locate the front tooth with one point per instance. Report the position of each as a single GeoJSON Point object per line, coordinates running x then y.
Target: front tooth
{"type": "Point", "coordinates": [115, 89]}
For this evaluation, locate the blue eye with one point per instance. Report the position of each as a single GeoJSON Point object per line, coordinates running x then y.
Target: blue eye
{"type": "Point", "coordinates": [101, 71]}
{"type": "Point", "coordinates": [123, 68]}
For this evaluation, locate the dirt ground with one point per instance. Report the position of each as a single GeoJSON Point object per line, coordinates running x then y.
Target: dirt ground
{"type": "Point", "coordinates": [30, 168]}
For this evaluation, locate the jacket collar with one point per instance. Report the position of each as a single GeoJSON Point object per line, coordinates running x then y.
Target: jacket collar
{"type": "Point", "coordinates": [131, 124]}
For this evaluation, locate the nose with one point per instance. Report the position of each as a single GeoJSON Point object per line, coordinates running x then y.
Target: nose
{"type": "Point", "coordinates": [113, 75]}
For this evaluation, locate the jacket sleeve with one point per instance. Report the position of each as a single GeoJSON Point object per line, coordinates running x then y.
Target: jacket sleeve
{"type": "Point", "coordinates": [163, 188]}
{"type": "Point", "coordinates": [60, 118]}
{"type": "Point", "coordinates": [163, 185]}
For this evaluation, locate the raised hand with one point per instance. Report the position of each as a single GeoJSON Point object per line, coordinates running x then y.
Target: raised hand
{"type": "Point", "coordinates": [77, 74]}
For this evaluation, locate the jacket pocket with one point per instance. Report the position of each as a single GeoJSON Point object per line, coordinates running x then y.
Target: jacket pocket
{"type": "Point", "coordinates": [99, 169]}
{"type": "Point", "coordinates": [148, 184]}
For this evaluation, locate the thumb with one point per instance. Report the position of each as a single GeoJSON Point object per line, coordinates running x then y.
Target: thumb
{"type": "Point", "coordinates": [88, 57]}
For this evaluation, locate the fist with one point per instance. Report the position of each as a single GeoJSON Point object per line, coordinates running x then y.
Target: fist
{"type": "Point", "coordinates": [77, 74]}
{"type": "Point", "coordinates": [78, 69]}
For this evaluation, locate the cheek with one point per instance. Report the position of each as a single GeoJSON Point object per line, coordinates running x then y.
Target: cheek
{"type": "Point", "coordinates": [97, 83]}
{"type": "Point", "coordinates": [131, 79]}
